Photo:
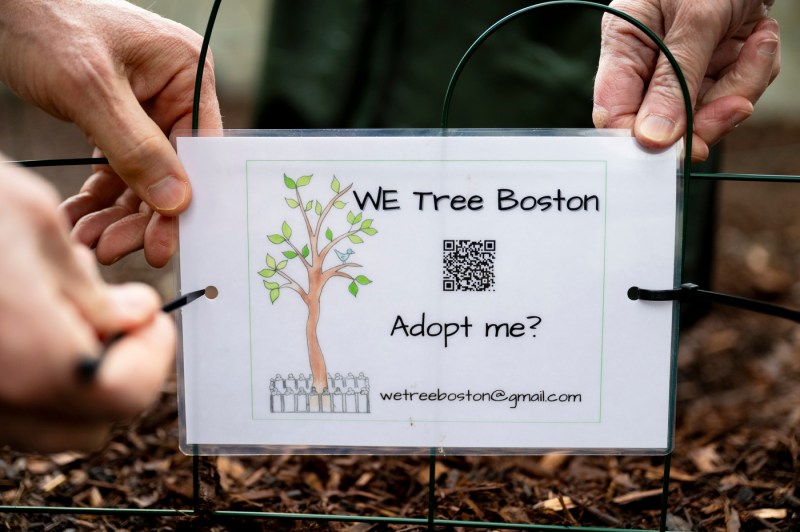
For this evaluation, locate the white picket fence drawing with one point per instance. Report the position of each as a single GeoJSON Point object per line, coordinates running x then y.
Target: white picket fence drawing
{"type": "Point", "coordinates": [347, 394]}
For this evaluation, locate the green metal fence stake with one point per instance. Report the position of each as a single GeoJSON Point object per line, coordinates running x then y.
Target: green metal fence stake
{"type": "Point", "coordinates": [198, 85]}
{"type": "Point", "coordinates": [665, 492]}
{"type": "Point", "coordinates": [431, 487]}
{"type": "Point", "coordinates": [195, 480]}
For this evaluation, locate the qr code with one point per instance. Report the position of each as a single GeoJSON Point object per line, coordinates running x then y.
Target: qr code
{"type": "Point", "coordinates": [468, 265]}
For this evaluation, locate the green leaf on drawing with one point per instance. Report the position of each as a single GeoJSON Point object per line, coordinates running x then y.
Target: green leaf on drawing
{"type": "Point", "coordinates": [351, 218]}
{"type": "Point", "coordinates": [357, 218]}
{"type": "Point", "coordinates": [362, 279]}
{"type": "Point", "coordinates": [271, 261]}
{"type": "Point", "coordinates": [289, 254]}
{"type": "Point", "coordinates": [309, 205]}
{"type": "Point", "coordinates": [305, 251]}
{"type": "Point", "coordinates": [289, 182]}
{"type": "Point", "coordinates": [318, 208]}
{"type": "Point", "coordinates": [355, 239]}
{"type": "Point", "coordinates": [282, 264]}
{"type": "Point", "coordinates": [303, 181]}
{"type": "Point", "coordinates": [339, 204]}
{"type": "Point", "coordinates": [353, 288]}
{"type": "Point", "coordinates": [274, 294]}
{"type": "Point", "coordinates": [271, 286]}
{"type": "Point", "coordinates": [292, 203]}
{"type": "Point", "coordinates": [335, 185]}
{"type": "Point", "coordinates": [286, 230]}
{"type": "Point", "coordinates": [369, 231]}
{"type": "Point", "coordinates": [266, 273]}
{"type": "Point", "coordinates": [329, 234]}
{"type": "Point", "coordinates": [276, 239]}
{"type": "Point", "coordinates": [366, 223]}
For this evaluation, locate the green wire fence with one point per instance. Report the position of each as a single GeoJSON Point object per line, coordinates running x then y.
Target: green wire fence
{"type": "Point", "coordinates": [429, 521]}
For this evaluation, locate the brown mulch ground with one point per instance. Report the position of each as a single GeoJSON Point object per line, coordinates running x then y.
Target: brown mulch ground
{"type": "Point", "coordinates": [736, 463]}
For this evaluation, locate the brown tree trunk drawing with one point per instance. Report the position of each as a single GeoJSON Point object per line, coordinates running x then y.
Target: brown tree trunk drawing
{"type": "Point", "coordinates": [316, 359]}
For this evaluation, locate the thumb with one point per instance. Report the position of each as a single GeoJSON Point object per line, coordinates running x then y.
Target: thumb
{"type": "Point", "coordinates": [138, 150]}
{"type": "Point", "coordinates": [661, 119]}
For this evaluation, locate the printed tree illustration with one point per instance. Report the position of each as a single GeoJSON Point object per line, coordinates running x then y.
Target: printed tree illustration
{"type": "Point", "coordinates": [311, 250]}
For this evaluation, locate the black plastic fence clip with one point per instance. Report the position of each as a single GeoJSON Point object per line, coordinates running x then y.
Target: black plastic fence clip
{"type": "Point", "coordinates": [691, 292]}
{"type": "Point", "coordinates": [674, 294]}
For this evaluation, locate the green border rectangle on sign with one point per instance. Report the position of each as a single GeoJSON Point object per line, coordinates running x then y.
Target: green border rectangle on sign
{"type": "Point", "coordinates": [602, 306]}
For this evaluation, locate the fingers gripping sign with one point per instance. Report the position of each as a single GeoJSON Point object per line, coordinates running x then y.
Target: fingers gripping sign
{"type": "Point", "coordinates": [728, 51]}
{"type": "Point", "coordinates": [128, 83]}
{"type": "Point", "coordinates": [110, 217]}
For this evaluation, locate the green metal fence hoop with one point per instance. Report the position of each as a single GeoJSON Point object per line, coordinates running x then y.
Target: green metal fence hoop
{"type": "Point", "coordinates": [687, 159]}
{"type": "Point", "coordinates": [687, 100]}
{"type": "Point", "coordinates": [201, 64]}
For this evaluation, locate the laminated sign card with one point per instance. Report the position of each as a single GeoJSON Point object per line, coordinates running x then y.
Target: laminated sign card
{"type": "Point", "coordinates": [387, 291]}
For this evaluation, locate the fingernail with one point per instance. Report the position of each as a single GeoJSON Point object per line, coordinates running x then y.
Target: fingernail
{"type": "Point", "coordinates": [599, 117]}
{"type": "Point", "coordinates": [168, 194]}
{"type": "Point", "coordinates": [657, 128]}
{"type": "Point", "coordinates": [739, 117]}
{"type": "Point", "coordinates": [768, 47]}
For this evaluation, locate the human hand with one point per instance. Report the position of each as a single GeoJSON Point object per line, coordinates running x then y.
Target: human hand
{"type": "Point", "coordinates": [54, 311]}
{"type": "Point", "coordinates": [125, 76]}
{"type": "Point", "coordinates": [729, 51]}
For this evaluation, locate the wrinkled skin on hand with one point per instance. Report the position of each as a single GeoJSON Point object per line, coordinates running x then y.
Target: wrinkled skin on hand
{"type": "Point", "coordinates": [54, 311]}
{"type": "Point", "coordinates": [126, 77]}
{"type": "Point", "coordinates": [729, 51]}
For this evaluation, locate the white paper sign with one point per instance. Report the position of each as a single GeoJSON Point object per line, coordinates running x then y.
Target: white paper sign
{"type": "Point", "coordinates": [428, 291]}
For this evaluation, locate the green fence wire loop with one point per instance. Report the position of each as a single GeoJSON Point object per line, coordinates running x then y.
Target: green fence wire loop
{"type": "Point", "coordinates": [687, 159]}
{"type": "Point", "coordinates": [687, 100]}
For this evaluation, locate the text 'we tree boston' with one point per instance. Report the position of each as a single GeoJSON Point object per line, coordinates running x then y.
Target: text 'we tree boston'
{"type": "Point", "coordinates": [506, 200]}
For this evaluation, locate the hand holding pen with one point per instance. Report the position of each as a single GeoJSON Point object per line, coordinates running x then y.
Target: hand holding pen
{"type": "Point", "coordinates": [87, 367]}
{"type": "Point", "coordinates": [53, 308]}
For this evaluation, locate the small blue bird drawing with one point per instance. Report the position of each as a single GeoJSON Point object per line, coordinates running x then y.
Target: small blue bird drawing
{"type": "Point", "coordinates": [344, 256]}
